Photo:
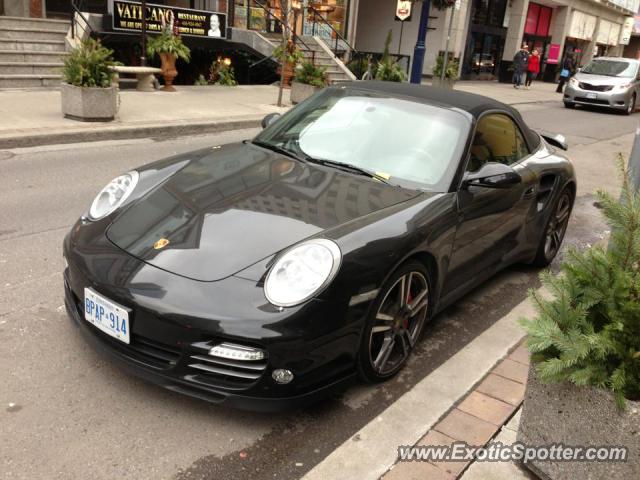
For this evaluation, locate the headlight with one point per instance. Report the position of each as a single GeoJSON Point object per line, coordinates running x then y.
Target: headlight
{"type": "Point", "coordinates": [301, 272]}
{"type": "Point", "coordinates": [113, 195]}
{"type": "Point", "coordinates": [573, 82]}
{"type": "Point", "coordinates": [625, 86]}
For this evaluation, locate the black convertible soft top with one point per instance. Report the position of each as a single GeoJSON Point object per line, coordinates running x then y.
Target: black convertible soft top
{"type": "Point", "coordinates": [474, 104]}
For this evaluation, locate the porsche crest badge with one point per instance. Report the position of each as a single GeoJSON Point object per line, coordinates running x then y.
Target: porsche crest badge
{"type": "Point", "coordinates": [163, 242]}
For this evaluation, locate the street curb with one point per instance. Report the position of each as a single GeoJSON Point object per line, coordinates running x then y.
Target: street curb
{"type": "Point", "coordinates": [370, 453]}
{"type": "Point", "coordinates": [178, 129]}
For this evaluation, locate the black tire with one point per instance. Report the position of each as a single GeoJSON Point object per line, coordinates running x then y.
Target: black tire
{"type": "Point", "coordinates": [396, 322]}
{"type": "Point", "coordinates": [632, 105]}
{"type": "Point", "coordinates": [554, 230]}
{"type": "Point", "coordinates": [569, 105]}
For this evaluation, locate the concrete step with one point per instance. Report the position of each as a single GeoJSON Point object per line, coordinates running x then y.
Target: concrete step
{"type": "Point", "coordinates": [29, 81]}
{"type": "Point", "coordinates": [337, 77]}
{"type": "Point", "coordinates": [28, 44]}
{"type": "Point", "coordinates": [325, 62]}
{"type": "Point", "coordinates": [320, 56]}
{"type": "Point", "coordinates": [20, 68]}
{"type": "Point", "coordinates": [34, 23]}
{"type": "Point", "coordinates": [31, 34]}
{"type": "Point", "coordinates": [31, 56]}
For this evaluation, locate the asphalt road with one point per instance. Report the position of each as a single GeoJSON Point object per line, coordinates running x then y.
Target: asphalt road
{"type": "Point", "coordinates": [67, 413]}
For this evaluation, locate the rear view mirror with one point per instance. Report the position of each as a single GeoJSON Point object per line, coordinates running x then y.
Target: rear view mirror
{"type": "Point", "coordinates": [269, 119]}
{"type": "Point", "coordinates": [492, 175]}
{"type": "Point", "coordinates": [556, 140]}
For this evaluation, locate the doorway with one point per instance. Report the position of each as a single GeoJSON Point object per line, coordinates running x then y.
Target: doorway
{"type": "Point", "coordinates": [485, 41]}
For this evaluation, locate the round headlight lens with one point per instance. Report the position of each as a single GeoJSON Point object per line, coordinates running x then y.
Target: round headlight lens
{"type": "Point", "coordinates": [301, 272]}
{"type": "Point", "coordinates": [113, 195]}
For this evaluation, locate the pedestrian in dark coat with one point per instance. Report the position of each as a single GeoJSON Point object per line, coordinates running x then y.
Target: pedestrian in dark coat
{"type": "Point", "coordinates": [520, 61]}
{"type": "Point", "coordinates": [568, 65]}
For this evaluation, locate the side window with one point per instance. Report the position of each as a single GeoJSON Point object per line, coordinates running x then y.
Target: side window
{"type": "Point", "coordinates": [497, 139]}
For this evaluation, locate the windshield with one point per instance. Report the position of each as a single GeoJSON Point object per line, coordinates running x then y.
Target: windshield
{"type": "Point", "coordinates": [611, 68]}
{"type": "Point", "coordinates": [405, 142]}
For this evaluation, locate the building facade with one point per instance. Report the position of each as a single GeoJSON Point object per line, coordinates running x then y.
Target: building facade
{"type": "Point", "coordinates": [484, 34]}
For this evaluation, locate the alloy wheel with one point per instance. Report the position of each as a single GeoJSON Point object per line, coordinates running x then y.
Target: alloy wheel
{"type": "Point", "coordinates": [557, 226]}
{"type": "Point", "coordinates": [398, 322]}
{"type": "Point", "coordinates": [632, 105]}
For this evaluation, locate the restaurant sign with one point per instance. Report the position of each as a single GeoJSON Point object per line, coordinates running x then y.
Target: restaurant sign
{"type": "Point", "coordinates": [127, 16]}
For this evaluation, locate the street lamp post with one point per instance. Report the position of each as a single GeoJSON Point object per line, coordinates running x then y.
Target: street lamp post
{"type": "Point", "coordinates": [419, 49]}
{"type": "Point", "coordinates": [143, 55]}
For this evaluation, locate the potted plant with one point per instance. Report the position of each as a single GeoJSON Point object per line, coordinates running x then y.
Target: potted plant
{"type": "Point", "coordinates": [450, 73]}
{"type": "Point", "coordinates": [388, 69]}
{"type": "Point", "coordinates": [222, 73]}
{"type": "Point", "coordinates": [169, 47]}
{"type": "Point", "coordinates": [289, 55]}
{"type": "Point", "coordinates": [307, 80]}
{"type": "Point", "coordinates": [87, 91]}
{"type": "Point", "coordinates": [584, 384]}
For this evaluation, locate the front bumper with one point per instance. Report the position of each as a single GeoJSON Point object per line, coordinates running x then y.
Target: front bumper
{"type": "Point", "coordinates": [616, 99]}
{"type": "Point", "coordinates": [174, 320]}
{"type": "Point", "coordinates": [131, 362]}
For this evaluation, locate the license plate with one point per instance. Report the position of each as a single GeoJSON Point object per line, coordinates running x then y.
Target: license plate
{"type": "Point", "coordinates": [592, 96]}
{"type": "Point", "coordinates": [108, 316]}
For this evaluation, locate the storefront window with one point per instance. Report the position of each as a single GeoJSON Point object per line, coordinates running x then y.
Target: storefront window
{"type": "Point", "coordinates": [485, 41]}
{"type": "Point", "coordinates": [321, 18]}
{"type": "Point", "coordinates": [488, 12]}
{"type": "Point", "coordinates": [332, 12]}
{"type": "Point", "coordinates": [261, 15]}
{"type": "Point", "coordinates": [538, 20]}
{"type": "Point", "coordinates": [536, 32]}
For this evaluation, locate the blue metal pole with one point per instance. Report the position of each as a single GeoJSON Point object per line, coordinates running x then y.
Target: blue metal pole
{"type": "Point", "coordinates": [419, 49]}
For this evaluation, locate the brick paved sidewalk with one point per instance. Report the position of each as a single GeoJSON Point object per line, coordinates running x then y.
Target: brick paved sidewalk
{"type": "Point", "coordinates": [476, 419]}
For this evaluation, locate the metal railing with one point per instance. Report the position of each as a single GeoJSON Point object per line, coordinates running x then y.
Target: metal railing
{"type": "Point", "coordinates": [296, 40]}
{"type": "Point", "coordinates": [316, 15]}
{"type": "Point", "coordinates": [78, 7]}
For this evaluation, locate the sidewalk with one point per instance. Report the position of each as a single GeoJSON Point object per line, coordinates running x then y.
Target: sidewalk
{"type": "Point", "coordinates": [490, 412]}
{"type": "Point", "coordinates": [504, 92]}
{"type": "Point", "coordinates": [33, 117]}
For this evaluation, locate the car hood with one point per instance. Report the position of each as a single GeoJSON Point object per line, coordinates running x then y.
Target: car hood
{"type": "Point", "coordinates": [601, 79]}
{"type": "Point", "coordinates": [232, 206]}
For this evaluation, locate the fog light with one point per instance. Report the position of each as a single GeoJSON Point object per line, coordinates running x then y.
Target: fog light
{"type": "Point", "coordinates": [237, 352]}
{"type": "Point", "coordinates": [282, 375]}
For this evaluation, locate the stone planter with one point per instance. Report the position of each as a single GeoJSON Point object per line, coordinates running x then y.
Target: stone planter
{"type": "Point", "coordinates": [446, 83]}
{"type": "Point", "coordinates": [579, 416]}
{"type": "Point", "coordinates": [89, 104]}
{"type": "Point", "coordinates": [302, 91]}
{"type": "Point", "coordinates": [169, 71]}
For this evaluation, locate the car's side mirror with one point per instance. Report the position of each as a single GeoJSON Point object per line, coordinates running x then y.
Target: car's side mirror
{"type": "Point", "coordinates": [556, 140]}
{"type": "Point", "coordinates": [492, 175]}
{"type": "Point", "coordinates": [269, 119]}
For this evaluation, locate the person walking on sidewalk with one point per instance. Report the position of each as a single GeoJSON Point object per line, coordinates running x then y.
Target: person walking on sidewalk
{"type": "Point", "coordinates": [520, 65]}
{"type": "Point", "coordinates": [567, 69]}
{"type": "Point", "coordinates": [533, 67]}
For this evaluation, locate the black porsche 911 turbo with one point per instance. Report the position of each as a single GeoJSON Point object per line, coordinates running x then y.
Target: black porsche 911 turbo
{"type": "Point", "coordinates": [265, 273]}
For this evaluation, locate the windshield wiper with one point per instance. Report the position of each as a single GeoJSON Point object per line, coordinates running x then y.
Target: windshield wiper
{"type": "Point", "coordinates": [277, 149]}
{"type": "Point", "coordinates": [349, 167]}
